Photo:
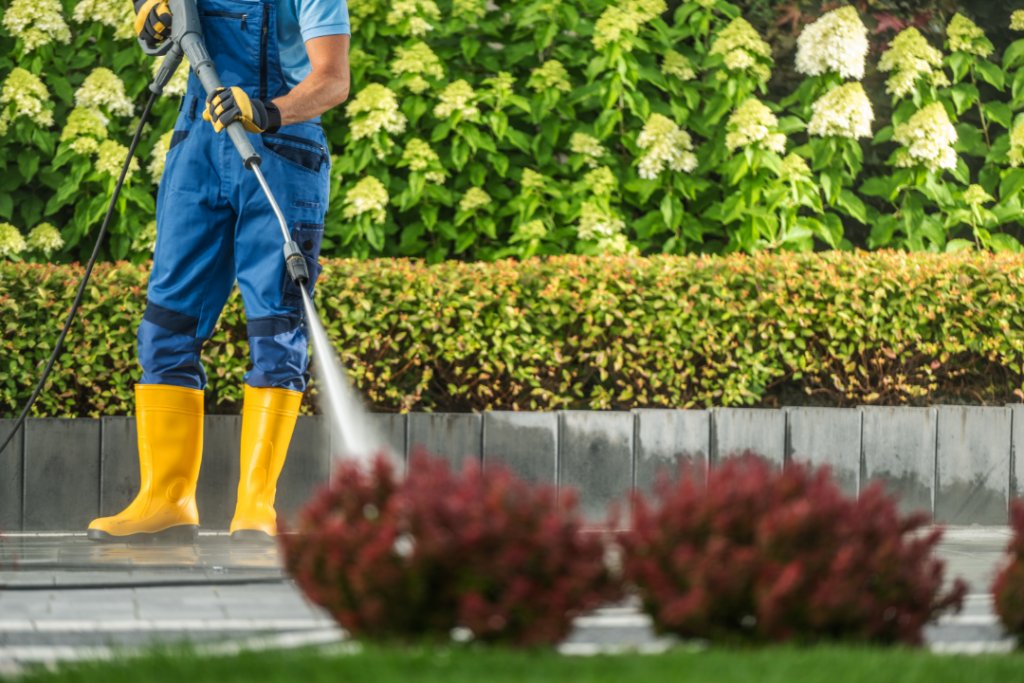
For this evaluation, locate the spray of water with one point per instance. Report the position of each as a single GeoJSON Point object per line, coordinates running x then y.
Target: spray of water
{"type": "Point", "coordinates": [338, 399]}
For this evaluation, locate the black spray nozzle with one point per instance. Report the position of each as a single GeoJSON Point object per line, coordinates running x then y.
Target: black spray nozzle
{"type": "Point", "coordinates": [295, 262]}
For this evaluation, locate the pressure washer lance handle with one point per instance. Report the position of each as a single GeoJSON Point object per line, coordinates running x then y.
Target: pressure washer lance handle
{"type": "Point", "coordinates": [295, 262]}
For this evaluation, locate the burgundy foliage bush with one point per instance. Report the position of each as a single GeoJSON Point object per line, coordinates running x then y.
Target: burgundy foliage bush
{"type": "Point", "coordinates": [1008, 588]}
{"type": "Point", "coordinates": [407, 559]}
{"type": "Point", "coordinates": [762, 555]}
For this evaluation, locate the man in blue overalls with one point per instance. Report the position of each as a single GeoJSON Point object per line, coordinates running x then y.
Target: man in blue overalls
{"type": "Point", "coordinates": [287, 63]}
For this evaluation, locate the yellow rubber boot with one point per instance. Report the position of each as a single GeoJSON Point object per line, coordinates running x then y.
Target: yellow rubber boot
{"type": "Point", "coordinates": [268, 420]}
{"type": "Point", "coordinates": [170, 425]}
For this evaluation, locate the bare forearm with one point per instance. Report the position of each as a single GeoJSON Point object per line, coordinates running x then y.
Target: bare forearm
{"type": "Point", "coordinates": [317, 93]}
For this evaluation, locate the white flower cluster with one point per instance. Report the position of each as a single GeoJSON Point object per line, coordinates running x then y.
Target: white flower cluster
{"type": "Point", "coordinates": [844, 111]}
{"type": "Point", "coordinates": [474, 199]}
{"type": "Point", "coordinates": [11, 241]}
{"type": "Point", "coordinates": [531, 180]}
{"type": "Point", "coordinates": [626, 19]}
{"type": "Point", "coordinates": [742, 49]}
{"type": "Point", "coordinates": [1017, 20]}
{"type": "Point", "coordinates": [838, 42]}
{"type": "Point", "coordinates": [678, 65]}
{"type": "Point", "coordinates": [754, 124]}
{"type": "Point", "coordinates": [26, 94]}
{"type": "Point", "coordinates": [602, 225]}
{"type": "Point", "coordinates": [417, 12]}
{"type": "Point", "coordinates": [588, 146]}
{"type": "Point", "coordinates": [1016, 152]}
{"type": "Point", "coordinates": [110, 159]}
{"type": "Point", "coordinates": [178, 84]}
{"type": "Point", "coordinates": [551, 74]}
{"type": "Point", "coordinates": [975, 195]}
{"type": "Point", "coordinates": [500, 86]}
{"type": "Point", "coordinates": [145, 241]}
{"type": "Point", "coordinates": [419, 60]}
{"type": "Point", "coordinates": [601, 181]}
{"type": "Point", "coordinates": [119, 14]}
{"type": "Point", "coordinates": [910, 57]}
{"type": "Point", "coordinates": [102, 87]}
{"type": "Point", "coordinates": [457, 98]}
{"type": "Point", "coordinates": [420, 157]}
{"type": "Point", "coordinates": [159, 156]}
{"type": "Point", "coordinates": [358, 10]}
{"type": "Point", "coordinates": [929, 137]}
{"type": "Point", "coordinates": [664, 144]}
{"type": "Point", "coordinates": [533, 230]}
{"type": "Point", "coordinates": [44, 237]}
{"type": "Point", "coordinates": [86, 128]}
{"type": "Point", "coordinates": [965, 36]}
{"type": "Point", "coordinates": [470, 10]}
{"type": "Point", "coordinates": [367, 196]}
{"type": "Point", "coordinates": [794, 168]}
{"type": "Point", "coordinates": [373, 110]}
{"type": "Point", "coordinates": [36, 22]}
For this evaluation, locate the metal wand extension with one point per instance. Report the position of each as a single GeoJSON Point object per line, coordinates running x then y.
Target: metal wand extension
{"type": "Point", "coordinates": [294, 261]}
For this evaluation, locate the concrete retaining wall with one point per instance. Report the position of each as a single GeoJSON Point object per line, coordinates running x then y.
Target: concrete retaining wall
{"type": "Point", "coordinates": [956, 462]}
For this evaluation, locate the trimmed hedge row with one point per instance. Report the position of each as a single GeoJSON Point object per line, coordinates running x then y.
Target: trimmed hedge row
{"type": "Point", "coordinates": [574, 332]}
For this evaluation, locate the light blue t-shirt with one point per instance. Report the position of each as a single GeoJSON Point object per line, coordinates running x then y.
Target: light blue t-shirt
{"type": "Point", "coordinates": [301, 20]}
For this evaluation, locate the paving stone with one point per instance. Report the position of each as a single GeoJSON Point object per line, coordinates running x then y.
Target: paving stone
{"type": "Point", "coordinates": [973, 465]}
{"type": "Point", "coordinates": [217, 492]}
{"type": "Point", "coordinates": [119, 464]}
{"type": "Point", "coordinates": [454, 436]}
{"type": "Point", "coordinates": [526, 442]}
{"type": "Point", "coordinates": [596, 458]}
{"type": "Point", "coordinates": [11, 478]}
{"type": "Point", "coordinates": [667, 440]}
{"type": "Point", "coordinates": [62, 473]}
{"type": "Point", "coordinates": [737, 430]}
{"type": "Point", "coordinates": [307, 466]}
{"type": "Point", "coordinates": [899, 450]}
{"type": "Point", "coordinates": [827, 437]}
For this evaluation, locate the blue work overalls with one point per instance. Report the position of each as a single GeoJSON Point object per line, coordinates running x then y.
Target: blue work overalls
{"type": "Point", "coordinates": [214, 223]}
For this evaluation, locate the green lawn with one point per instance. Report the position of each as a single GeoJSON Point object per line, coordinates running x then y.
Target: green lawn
{"type": "Point", "coordinates": [392, 665]}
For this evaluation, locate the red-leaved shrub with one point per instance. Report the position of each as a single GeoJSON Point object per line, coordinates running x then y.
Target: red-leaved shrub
{"type": "Point", "coordinates": [414, 558]}
{"type": "Point", "coordinates": [1008, 588]}
{"type": "Point", "coordinates": [761, 554]}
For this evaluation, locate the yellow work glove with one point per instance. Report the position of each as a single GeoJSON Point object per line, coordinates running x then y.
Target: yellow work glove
{"type": "Point", "coordinates": [225, 105]}
{"type": "Point", "coordinates": [153, 21]}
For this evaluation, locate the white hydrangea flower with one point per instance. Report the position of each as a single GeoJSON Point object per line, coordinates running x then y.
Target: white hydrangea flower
{"type": "Point", "coordinates": [86, 128]}
{"type": "Point", "coordinates": [358, 10]}
{"type": "Point", "coordinates": [794, 167]}
{"type": "Point", "coordinates": [929, 138]}
{"type": "Point", "coordinates": [625, 18]}
{"type": "Point", "coordinates": [501, 85]}
{"type": "Point", "coordinates": [588, 146]}
{"type": "Point", "coordinates": [367, 196]}
{"type": "Point", "coordinates": [965, 36]}
{"type": "Point", "coordinates": [119, 14]}
{"type": "Point", "coordinates": [373, 110]}
{"type": "Point", "coordinates": [551, 74]}
{"type": "Point", "coordinates": [664, 144]}
{"type": "Point", "coordinates": [533, 230]}
{"type": "Point", "coordinates": [844, 111]}
{"type": "Point", "coordinates": [601, 181]}
{"type": "Point", "coordinates": [102, 87]}
{"type": "Point", "coordinates": [474, 199]}
{"type": "Point", "coordinates": [616, 245]}
{"type": "Point", "coordinates": [145, 241]}
{"type": "Point", "coordinates": [910, 57]}
{"type": "Point", "coordinates": [754, 124]}
{"type": "Point", "coordinates": [596, 222]}
{"type": "Point", "coordinates": [420, 157]}
{"type": "Point", "coordinates": [457, 97]}
{"type": "Point", "coordinates": [36, 22]}
{"type": "Point", "coordinates": [178, 84]}
{"type": "Point", "coordinates": [44, 237]}
{"type": "Point", "coordinates": [158, 156]}
{"type": "Point", "coordinates": [1016, 153]}
{"type": "Point", "coordinates": [1017, 20]}
{"type": "Point", "coordinates": [678, 65]}
{"type": "Point", "coordinates": [417, 12]}
{"type": "Point", "coordinates": [742, 48]}
{"type": "Point", "coordinates": [110, 159]}
{"type": "Point", "coordinates": [11, 241]}
{"type": "Point", "coordinates": [975, 195]}
{"type": "Point", "coordinates": [24, 94]}
{"type": "Point", "coordinates": [418, 59]}
{"type": "Point", "coordinates": [470, 10]}
{"type": "Point", "coordinates": [707, 4]}
{"type": "Point", "coordinates": [838, 42]}
{"type": "Point", "coordinates": [533, 180]}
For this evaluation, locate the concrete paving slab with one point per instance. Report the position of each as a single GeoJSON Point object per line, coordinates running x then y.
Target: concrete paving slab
{"type": "Point", "coordinates": [899, 451]}
{"type": "Point", "coordinates": [668, 440]}
{"type": "Point", "coordinates": [217, 492]}
{"type": "Point", "coordinates": [973, 465]}
{"type": "Point", "coordinates": [62, 473]}
{"type": "Point", "coordinates": [827, 437]}
{"type": "Point", "coordinates": [525, 442]}
{"type": "Point", "coordinates": [737, 430]}
{"type": "Point", "coordinates": [596, 458]}
{"type": "Point", "coordinates": [11, 477]}
{"type": "Point", "coordinates": [454, 436]}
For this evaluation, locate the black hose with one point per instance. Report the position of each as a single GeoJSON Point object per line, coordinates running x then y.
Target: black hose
{"type": "Point", "coordinates": [85, 279]}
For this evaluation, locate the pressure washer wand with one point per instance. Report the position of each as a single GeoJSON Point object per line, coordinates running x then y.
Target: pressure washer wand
{"type": "Point", "coordinates": [187, 39]}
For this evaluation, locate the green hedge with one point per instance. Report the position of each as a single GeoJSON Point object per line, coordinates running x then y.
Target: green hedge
{"type": "Point", "coordinates": [575, 332]}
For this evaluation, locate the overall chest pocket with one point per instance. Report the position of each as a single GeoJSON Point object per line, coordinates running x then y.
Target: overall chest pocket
{"type": "Point", "coordinates": [302, 152]}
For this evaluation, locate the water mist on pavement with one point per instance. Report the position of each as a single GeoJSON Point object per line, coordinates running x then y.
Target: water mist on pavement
{"type": "Point", "coordinates": [354, 437]}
